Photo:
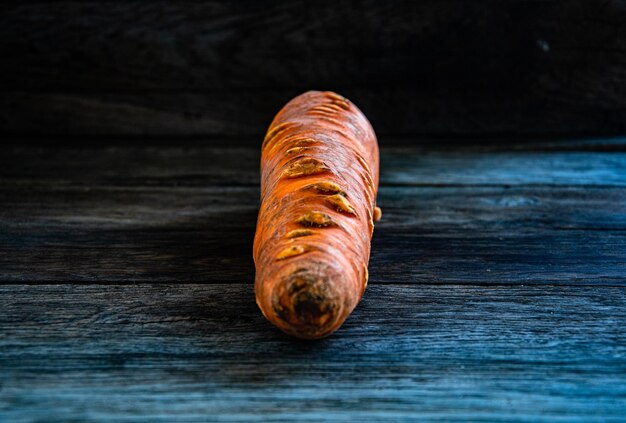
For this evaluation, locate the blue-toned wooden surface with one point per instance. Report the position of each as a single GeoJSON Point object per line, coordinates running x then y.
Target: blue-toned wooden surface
{"type": "Point", "coordinates": [203, 353]}
{"type": "Point", "coordinates": [497, 293]}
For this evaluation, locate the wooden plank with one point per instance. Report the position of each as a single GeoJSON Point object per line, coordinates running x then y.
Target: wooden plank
{"type": "Point", "coordinates": [191, 46]}
{"type": "Point", "coordinates": [532, 67]}
{"type": "Point", "coordinates": [406, 111]}
{"type": "Point", "coordinates": [194, 164]}
{"type": "Point", "coordinates": [141, 114]}
{"type": "Point", "coordinates": [192, 353]}
{"type": "Point", "coordinates": [485, 235]}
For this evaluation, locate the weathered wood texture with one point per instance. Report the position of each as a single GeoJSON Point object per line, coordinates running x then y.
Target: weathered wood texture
{"type": "Point", "coordinates": [197, 164]}
{"type": "Point", "coordinates": [470, 314]}
{"type": "Point", "coordinates": [204, 353]}
{"type": "Point", "coordinates": [193, 68]}
{"type": "Point", "coordinates": [188, 213]}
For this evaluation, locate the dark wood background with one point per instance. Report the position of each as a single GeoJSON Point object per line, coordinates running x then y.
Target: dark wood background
{"type": "Point", "coordinates": [436, 67]}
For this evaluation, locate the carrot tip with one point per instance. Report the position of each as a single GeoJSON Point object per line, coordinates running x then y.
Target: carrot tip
{"type": "Point", "coordinates": [307, 304]}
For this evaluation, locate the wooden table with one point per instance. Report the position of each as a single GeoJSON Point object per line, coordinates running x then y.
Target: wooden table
{"type": "Point", "coordinates": [497, 288]}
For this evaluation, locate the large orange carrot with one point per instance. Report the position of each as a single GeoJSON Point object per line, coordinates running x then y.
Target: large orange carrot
{"type": "Point", "coordinates": [319, 179]}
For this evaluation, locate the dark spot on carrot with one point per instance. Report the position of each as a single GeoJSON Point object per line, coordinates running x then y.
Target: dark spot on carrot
{"type": "Point", "coordinates": [312, 309]}
{"type": "Point", "coordinates": [306, 302]}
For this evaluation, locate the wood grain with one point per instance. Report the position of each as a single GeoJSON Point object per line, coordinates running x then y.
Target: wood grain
{"type": "Point", "coordinates": [194, 68]}
{"type": "Point", "coordinates": [204, 353]}
{"type": "Point", "coordinates": [187, 214]}
{"type": "Point", "coordinates": [197, 164]}
{"type": "Point", "coordinates": [471, 313]}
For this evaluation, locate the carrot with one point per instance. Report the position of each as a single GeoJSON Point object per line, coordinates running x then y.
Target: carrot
{"type": "Point", "coordinates": [319, 179]}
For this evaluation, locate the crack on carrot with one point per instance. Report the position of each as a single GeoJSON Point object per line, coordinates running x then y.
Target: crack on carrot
{"type": "Point", "coordinates": [363, 163]}
{"type": "Point", "coordinates": [296, 233]}
{"type": "Point", "coordinates": [331, 108]}
{"type": "Point", "coordinates": [291, 141]}
{"type": "Point", "coordinates": [327, 187]}
{"type": "Point", "coordinates": [321, 114]}
{"type": "Point", "coordinates": [272, 133]}
{"type": "Point", "coordinates": [344, 104]}
{"type": "Point", "coordinates": [324, 108]}
{"type": "Point", "coordinates": [304, 141]}
{"type": "Point", "coordinates": [334, 96]}
{"type": "Point", "coordinates": [332, 120]}
{"type": "Point", "coordinates": [305, 166]}
{"type": "Point", "coordinates": [317, 219]}
{"type": "Point", "coordinates": [341, 204]}
{"type": "Point", "coordinates": [294, 250]}
{"type": "Point", "coordinates": [295, 150]}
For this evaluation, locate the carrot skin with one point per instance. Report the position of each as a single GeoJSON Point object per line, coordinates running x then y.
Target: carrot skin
{"type": "Point", "coordinates": [319, 180]}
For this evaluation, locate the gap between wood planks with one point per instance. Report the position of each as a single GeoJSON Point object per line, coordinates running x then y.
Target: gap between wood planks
{"type": "Point", "coordinates": [130, 214]}
{"type": "Point", "coordinates": [462, 285]}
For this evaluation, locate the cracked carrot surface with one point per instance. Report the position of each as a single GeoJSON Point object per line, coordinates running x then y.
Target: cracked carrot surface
{"type": "Point", "coordinates": [319, 180]}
